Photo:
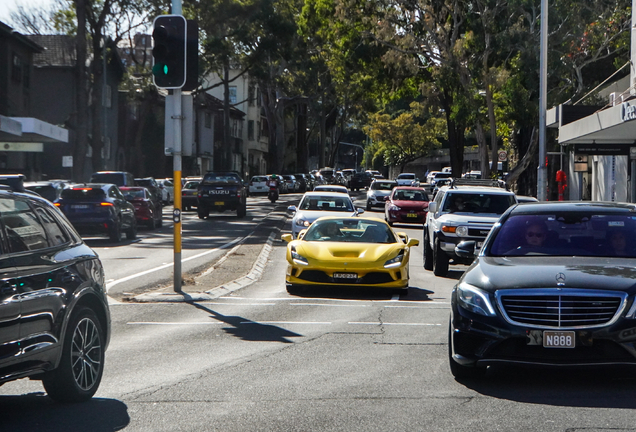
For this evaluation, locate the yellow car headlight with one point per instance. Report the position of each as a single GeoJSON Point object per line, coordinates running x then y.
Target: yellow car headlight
{"type": "Point", "coordinates": [298, 258]}
{"type": "Point", "coordinates": [395, 262]}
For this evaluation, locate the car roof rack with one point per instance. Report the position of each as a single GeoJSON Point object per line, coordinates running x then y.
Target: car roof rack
{"type": "Point", "coordinates": [478, 182]}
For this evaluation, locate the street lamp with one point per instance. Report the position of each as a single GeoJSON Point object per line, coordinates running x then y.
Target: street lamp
{"type": "Point", "coordinates": [355, 145]}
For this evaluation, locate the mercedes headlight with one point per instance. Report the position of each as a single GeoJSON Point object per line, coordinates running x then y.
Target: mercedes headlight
{"type": "Point", "coordinates": [462, 231]}
{"type": "Point", "coordinates": [395, 262]}
{"type": "Point", "coordinates": [474, 300]}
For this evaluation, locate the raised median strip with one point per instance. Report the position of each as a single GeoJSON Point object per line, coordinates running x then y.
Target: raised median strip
{"type": "Point", "coordinates": [248, 259]}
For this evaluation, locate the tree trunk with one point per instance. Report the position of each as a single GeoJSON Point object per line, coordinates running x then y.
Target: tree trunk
{"type": "Point", "coordinates": [302, 152]}
{"type": "Point", "coordinates": [81, 127]}
{"type": "Point", "coordinates": [493, 129]}
{"type": "Point", "coordinates": [227, 145]}
{"type": "Point", "coordinates": [480, 136]}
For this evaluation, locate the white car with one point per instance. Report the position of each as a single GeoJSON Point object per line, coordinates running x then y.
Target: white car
{"type": "Point", "coordinates": [407, 179]}
{"type": "Point", "coordinates": [378, 191]}
{"type": "Point", "coordinates": [430, 176]}
{"type": "Point", "coordinates": [331, 188]}
{"type": "Point", "coordinates": [167, 190]}
{"type": "Point", "coordinates": [318, 204]}
{"type": "Point", "coordinates": [258, 184]}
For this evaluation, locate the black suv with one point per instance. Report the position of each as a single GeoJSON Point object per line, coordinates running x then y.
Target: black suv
{"type": "Point", "coordinates": [221, 191]}
{"type": "Point", "coordinates": [53, 307]}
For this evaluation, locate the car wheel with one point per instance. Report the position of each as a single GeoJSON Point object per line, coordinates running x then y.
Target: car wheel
{"type": "Point", "coordinates": [440, 260]}
{"type": "Point", "coordinates": [131, 233]}
{"type": "Point", "coordinates": [461, 371]}
{"type": "Point", "coordinates": [79, 372]}
{"type": "Point", "coordinates": [203, 213]}
{"type": "Point", "coordinates": [428, 252]}
{"type": "Point", "coordinates": [368, 205]}
{"type": "Point", "coordinates": [115, 232]}
{"type": "Point", "coordinates": [241, 212]}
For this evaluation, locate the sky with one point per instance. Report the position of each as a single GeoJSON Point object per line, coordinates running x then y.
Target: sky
{"type": "Point", "coordinates": [8, 6]}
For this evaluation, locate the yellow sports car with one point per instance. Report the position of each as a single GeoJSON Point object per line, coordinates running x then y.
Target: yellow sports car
{"type": "Point", "coordinates": [349, 251]}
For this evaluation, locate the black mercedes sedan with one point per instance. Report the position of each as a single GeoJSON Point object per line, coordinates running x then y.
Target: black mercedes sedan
{"type": "Point", "coordinates": [54, 317]}
{"type": "Point", "coordinates": [553, 285]}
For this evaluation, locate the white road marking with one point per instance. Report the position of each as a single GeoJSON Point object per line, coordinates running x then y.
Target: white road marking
{"type": "Point", "coordinates": [329, 305]}
{"type": "Point", "coordinates": [175, 323]}
{"type": "Point", "coordinates": [396, 324]}
{"type": "Point", "coordinates": [136, 275]}
{"type": "Point", "coordinates": [286, 322]}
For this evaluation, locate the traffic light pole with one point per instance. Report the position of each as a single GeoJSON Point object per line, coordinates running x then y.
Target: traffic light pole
{"type": "Point", "coordinates": [176, 100]}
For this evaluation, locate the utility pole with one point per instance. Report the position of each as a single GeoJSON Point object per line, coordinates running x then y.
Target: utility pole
{"type": "Point", "coordinates": [542, 174]}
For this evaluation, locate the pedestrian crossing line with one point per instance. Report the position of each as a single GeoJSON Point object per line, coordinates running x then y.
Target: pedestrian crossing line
{"type": "Point", "coordinates": [205, 323]}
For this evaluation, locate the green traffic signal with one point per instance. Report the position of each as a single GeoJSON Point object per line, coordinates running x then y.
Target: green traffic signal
{"type": "Point", "coordinates": [168, 52]}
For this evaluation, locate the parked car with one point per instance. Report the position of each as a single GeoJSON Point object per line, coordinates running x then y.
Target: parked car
{"type": "Point", "coordinates": [189, 194]}
{"type": "Point", "coordinates": [146, 212]}
{"type": "Point", "coordinates": [327, 175]}
{"type": "Point", "coordinates": [406, 205]}
{"type": "Point", "coordinates": [167, 190]}
{"type": "Point", "coordinates": [151, 184]}
{"type": "Point", "coordinates": [119, 178]}
{"type": "Point", "coordinates": [407, 179]}
{"type": "Point", "coordinates": [348, 174]}
{"type": "Point", "coordinates": [430, 175]}
{"type": "Point", "coordinates": [46, 189]}
{"type": "Point", "coordinates": [552, 285]}
{"type": "Point", "coordinates": [340, 179]}
{"type": "Point", "coordinates": [258, 184]}
{"type": "Point", "coordinates": [53, 306]}
{"type": "Point", "coordinates": [292, 183]}
{"type": "Point", "coordinates": [376, 256]}
{"type": "Point", "coordinates": [317, 204]}
{"type": "Point", "coordinates": [98, 208]}
{"type": "Point", "coordinates": [331, 188]}
{"type": "Point", "coordinates": [303, 181]}
{"type": "Point", "coordinates": [378, 192]}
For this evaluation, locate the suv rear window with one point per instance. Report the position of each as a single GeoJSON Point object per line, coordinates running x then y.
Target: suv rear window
{"type": "Point", "coordinates": [221, 178]}
{"type": "Point", "coordinates": [83, 193]}
{"type": "Point", "coordinates": [114, 178]}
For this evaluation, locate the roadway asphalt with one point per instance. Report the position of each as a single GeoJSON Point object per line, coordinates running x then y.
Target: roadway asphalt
{"type": "Point", "coordinates": [239, 267]}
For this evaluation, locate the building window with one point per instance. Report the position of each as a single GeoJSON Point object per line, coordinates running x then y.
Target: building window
{"type": "Point", "coordinates": [234, 132]}
{"type": "Point", "coordinates": [232, 90]}
{"type": "Point", "coordinates": [250, 129]}
{"type": "Point", "coordinates": [16, 70]}
{"type": "Point", "coordinates": [250, 95]}
{"type": "Point", "coordinates": [208, 120]}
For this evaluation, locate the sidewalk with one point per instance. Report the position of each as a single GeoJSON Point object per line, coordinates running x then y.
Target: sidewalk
{"type": "Point", "coordinates": [239, 267]}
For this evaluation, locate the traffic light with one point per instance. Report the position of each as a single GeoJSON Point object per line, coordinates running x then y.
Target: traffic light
{"type": "Point", "coordinates": [192, 57]}
{"type": "Point", "coordinates": [169, 51]}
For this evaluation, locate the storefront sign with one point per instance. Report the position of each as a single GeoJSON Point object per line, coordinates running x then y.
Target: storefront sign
{"type": "Point", "coordinates": [21, 147]}
{"type": "Point", "coordinates": [603, 149]}
{"type": "Point", "coordinates": [628, 111]}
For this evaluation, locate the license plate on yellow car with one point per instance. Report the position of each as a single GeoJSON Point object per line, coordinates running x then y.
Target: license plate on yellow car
{"type": "Point", "coordinates": [345, 275]}
{"type": "Point", "coordinates": [219, 203]}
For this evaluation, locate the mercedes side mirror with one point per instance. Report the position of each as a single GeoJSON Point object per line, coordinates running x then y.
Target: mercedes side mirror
{"type": "Point", "coordinates": [465, 249]}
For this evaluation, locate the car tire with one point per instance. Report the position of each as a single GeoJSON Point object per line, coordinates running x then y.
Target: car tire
{"type": "Point", "coordinates": [241, 211]}
{"type": "Point", "coordinates": [131, 233]}
{"type": "Point", "coordinates": [81, 366]}
{"type": "Point", "coordinates": [461, 371]}
{"type": "Point", "coordinates": [440, 260]}
{"type": "Point", "coordinates": [369, 206]}
{"type": "Point", "coordinates": [203, 213]}
{"type": "Point", "coordinates": [428, 252]}
{"type": "Point", "coordinates": [115, 232]}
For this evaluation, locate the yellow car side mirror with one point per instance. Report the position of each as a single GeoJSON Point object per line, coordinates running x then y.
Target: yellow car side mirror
{"type": "Point", "coordinates": [413, 242]}
{"type": "Point", "coordinates": [287, 237]}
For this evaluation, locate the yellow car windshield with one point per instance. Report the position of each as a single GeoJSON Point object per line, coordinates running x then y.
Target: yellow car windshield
{"type": "Point", "coordinates": [350, 230]}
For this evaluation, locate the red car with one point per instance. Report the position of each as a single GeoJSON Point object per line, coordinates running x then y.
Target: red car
{"type": "Point", "coordinates": [406, 205]}
{"type": "Point", "coordinates": [146, 210]}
